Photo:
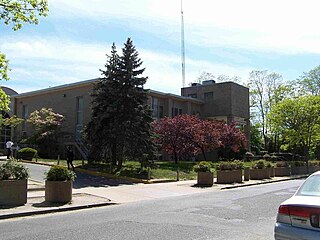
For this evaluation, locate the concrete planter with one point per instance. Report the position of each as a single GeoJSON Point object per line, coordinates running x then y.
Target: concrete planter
{"type": "Point", "coordinates": [231, 176]}
{"type": "Point", "coordinates": [58, 191]}
{"type": "Point", "coordinates": [205, 178]}
{"type": "Point", "coordinates": [258, 174]}
{"type": "Point", "coordinates": [313, 169]}
{"type": "Point", "coordinates": [282, 171]}
{"type": "Point", "coordinates": [246, 174]}
{"type": "Point", "coordinates": [272, 171]}
{"type": "Point", "coordinates": [298, 170]}
{"type": "Point", "coordinates": [13, 192]}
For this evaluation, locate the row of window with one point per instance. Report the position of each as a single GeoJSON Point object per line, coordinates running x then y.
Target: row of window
{"type": "Point", "coordinates": [208, 96]}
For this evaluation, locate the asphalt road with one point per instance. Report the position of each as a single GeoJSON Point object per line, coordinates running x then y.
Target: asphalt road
{"type": "Point", "coordinates": [243, 214]}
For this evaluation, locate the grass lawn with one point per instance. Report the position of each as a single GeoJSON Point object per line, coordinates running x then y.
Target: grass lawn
{"type": "Point", "coordinates": [159, 170]}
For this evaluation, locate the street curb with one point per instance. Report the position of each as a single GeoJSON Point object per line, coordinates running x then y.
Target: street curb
{"type": "Point", "coordinates": [32, 213]}
{"type": "Point", "coordinates": [266, 182]}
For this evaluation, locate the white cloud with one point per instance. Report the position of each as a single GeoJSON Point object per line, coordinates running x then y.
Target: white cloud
{"type": "Point", "coordinates": [51, 62]}
{"type": "Point", "coordinates": [286, 26]}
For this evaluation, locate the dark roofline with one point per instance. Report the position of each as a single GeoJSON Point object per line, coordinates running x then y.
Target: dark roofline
{"type": "Point", "coordinates": [91, 81]}
{"type": "Point", "coordinates": [56, 88]}
{"type": "Point", "coordinates": [219, 83]}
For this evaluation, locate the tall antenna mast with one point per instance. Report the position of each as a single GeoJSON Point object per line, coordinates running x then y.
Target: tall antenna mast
{"type": "Point", "coordinates": [183, 61]}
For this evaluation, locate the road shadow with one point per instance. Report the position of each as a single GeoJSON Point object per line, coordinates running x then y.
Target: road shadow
{"type": "Point", "coordinates": [46, 204]}
{"type": "Point", "coordinates": [3, 207]}
{"type": "Point", "coordinates": [86, 180]}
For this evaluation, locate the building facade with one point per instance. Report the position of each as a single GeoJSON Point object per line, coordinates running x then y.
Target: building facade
{"type": "Point", "coordinates": [227, 101]}
{"type": "Point", "coordinates": [73, 101]}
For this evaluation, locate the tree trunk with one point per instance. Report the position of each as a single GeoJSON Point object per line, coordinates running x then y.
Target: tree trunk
{"type": "Point", "coordinates": [114, 154]}
{"type": "Point", "coordinates": [204, 154]}
{"type": "Point", "coordinates": [175, 157]}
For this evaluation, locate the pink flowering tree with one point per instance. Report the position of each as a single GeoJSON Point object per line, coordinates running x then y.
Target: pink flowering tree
{"type": "Point", "coordinates": [46, 124]}
{"type": "Point", "coordinates": [174, 135]}
{"type": "Point", "coordinates": [232, 139]}
{"type": "Point", "coordinates": [186, 135]}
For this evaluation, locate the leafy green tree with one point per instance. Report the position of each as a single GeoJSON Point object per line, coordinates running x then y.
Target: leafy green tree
{"type": "Point", "coordinates": [15, 13]}
{"type": "Point", "coordinates": [309, 83]}
{"type": "Point", "coordinates": [121, 118]}
{"type": "Point", "coordinates": [255, 138]}
{"type": "Point", "coordinates": [266, 90]}
{"type": "Point", "coordinates": [220, 78]}
{"type": "Point", "coordinates": [298, 122]}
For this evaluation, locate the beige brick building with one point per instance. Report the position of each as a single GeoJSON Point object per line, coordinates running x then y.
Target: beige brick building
{"type": "Point", "coordinates": [228, 101]}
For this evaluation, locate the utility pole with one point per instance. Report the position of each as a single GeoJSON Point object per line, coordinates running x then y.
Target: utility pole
{"type": "Point", "coordinates": [183, 61]}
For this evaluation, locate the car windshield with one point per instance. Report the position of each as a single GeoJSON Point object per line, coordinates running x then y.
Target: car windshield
{"type": "Point", "coordinates": [311, 187]}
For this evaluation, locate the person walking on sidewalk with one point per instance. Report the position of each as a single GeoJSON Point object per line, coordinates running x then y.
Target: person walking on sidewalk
{"type": "Point", "coordinates": [9, 148]}
{"type": "Point", "coordinates": [70, 157]}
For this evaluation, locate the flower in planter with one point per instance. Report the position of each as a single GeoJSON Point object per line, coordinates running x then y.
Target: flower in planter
{"type": "Point", "coordinates": [13, 170]}
{"type": "Point", "coordinates": [59, 173]}
{"type": "Point", "coordinates": [202, 167]}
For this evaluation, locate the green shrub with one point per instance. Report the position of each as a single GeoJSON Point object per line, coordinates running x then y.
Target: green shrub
{"type": "Point", "coordinates": [268, 164]}
{"type": "Point", "coordinates": [28, 150]}
{"type": "Point", "coordinates": [13, 170]}
{"type": "Point", "coordinates": [202, 167]}
{"type": "Point", "coordinates": [260, 164]}
{"type": "Point", "coordinates": [27, 153]}
{"type": "Point", "coordinates": [282, 164]}
{"type": "Point", "coordinates": [235, 165]}
{"type": "Point", "coordinates": [314, 163]}
{"type": "Point", "coordinates": [59, 173]}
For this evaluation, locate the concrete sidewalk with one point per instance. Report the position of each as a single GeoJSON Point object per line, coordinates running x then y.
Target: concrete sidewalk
{"type": "Point", "coordinates": [89, 197]}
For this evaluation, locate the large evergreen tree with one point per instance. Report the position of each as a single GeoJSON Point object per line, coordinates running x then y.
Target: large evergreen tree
{"type": "Point", "coordinates": [121, 119]}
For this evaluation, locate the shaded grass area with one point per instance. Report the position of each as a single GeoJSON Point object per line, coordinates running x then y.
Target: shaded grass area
{"type": "Point", "coordinates": [60, 162]}
{"type": "Point", "coordinates": [158, 170]}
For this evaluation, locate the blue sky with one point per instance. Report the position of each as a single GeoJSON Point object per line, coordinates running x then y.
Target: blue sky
{"type": "Point", "coordinates": [229, 37]}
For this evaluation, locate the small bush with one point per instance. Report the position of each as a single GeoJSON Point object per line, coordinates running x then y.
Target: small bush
{"type": "Point", "coordinates": [202, 167]}
{"type": "Point", "coordinates": [59, 173]}
{"type": "Point", "coordinates": [260, 164]}
{"type": "Point", "coordinates": [314, 163]}
{"type": "Point", "coordinates": [27, 153]}
{"type": "Point", "coordinates": [28, 150]}
{"type": "Point", "coordinates": [13, 170]}
{"type": "Point", "coordinates": [282, 164]}
{"type": "Point", "coordinates": [225, 166]}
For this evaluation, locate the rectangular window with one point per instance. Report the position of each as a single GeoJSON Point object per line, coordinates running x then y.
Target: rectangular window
{"type": "Point", "coordinates": [25, 111]}
{"type": "Point", "coordinates": [160, 111]}
{"type": "Point", "coordinates": [176, 111]}
{"type": "Point", "coordinates": [154, 107]}
{"type": "Point", "coordinates": [79, 117]}
{"type": "Point", "coordinates": [180, 111]}
{"type": "Point", "coordinates": [208, 96]}
{"type": "Point", "coordinates": [193, 95]}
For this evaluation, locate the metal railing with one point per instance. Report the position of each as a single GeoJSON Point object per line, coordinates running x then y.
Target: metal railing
{"type": "Point", "coordinates": [82, 148]}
